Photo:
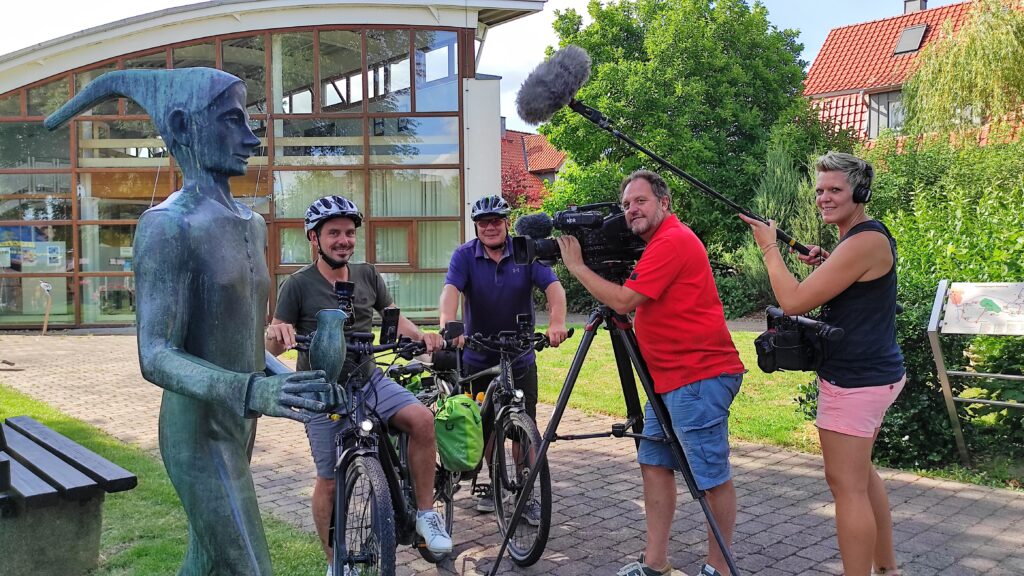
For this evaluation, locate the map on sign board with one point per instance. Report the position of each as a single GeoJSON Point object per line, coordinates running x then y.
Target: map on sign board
{"type": "Point", "coordinates": [985, 308]}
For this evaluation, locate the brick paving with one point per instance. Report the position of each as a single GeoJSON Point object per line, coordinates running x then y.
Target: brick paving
{"type": "Point", "coordinates": [784, 526]}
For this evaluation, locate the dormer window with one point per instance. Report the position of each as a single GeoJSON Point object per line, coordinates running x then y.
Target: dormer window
{"type": "Point", "coordinates": [910, 39]}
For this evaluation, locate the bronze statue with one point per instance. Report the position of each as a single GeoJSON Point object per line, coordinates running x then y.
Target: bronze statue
{"type": "Point", "coordinates": [202, 285]}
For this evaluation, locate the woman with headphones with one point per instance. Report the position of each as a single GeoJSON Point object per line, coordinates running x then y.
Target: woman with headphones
{"type": "Point", "coordinates": [862, 374]}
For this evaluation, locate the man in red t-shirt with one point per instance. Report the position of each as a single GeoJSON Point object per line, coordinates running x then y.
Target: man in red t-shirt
{"type": "Point", "coordinates": [680, 327]}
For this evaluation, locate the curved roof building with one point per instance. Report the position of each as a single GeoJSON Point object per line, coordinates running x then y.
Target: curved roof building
{"type": "Point", "coordinates": [376, 101]}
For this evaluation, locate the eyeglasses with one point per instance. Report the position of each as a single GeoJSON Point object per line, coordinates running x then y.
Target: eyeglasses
{"type": "Point", "coordinates": [490, 222]}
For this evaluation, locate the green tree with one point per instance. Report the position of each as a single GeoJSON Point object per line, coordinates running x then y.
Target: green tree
{"type": "Point", "coordinates": [699, 82]}
{"type": "Point", "coordinates": [976, 74]}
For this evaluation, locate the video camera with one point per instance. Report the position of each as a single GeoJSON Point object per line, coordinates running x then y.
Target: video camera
{"type": "Point", "coordinates": [609, 247]}
{"type": "Point", "coordinates": [793, 342]}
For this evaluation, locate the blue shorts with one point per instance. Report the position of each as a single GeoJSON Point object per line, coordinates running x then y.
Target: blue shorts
{"type": "Point", "coordinates": [390, 397]}
{"type": "Point", "coordinates": [700, 418]}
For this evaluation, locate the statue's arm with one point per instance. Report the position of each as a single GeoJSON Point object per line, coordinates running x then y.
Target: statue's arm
{"type": "Point", "coordinates": [165, 287]}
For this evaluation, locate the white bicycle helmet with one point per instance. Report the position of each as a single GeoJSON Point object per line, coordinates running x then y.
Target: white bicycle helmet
{"type": "Point", "coordinates": [331, 207]}
{"type": "Point", "coordinates": [490, 206]}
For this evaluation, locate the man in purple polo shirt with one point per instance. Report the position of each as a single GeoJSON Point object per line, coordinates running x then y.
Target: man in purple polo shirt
{"type": "Point", "coordinates": [495, 290]}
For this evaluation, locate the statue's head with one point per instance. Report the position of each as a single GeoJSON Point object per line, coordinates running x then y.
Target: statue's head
{"type": "Point", "coordinates": [199, 112]}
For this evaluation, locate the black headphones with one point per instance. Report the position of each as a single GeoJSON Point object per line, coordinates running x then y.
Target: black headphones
{"type": "Point", "coordinates": [862, 193]}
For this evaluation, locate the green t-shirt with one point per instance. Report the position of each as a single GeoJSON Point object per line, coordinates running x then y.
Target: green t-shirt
{"type": "Point", "coordinates": [307, 292]}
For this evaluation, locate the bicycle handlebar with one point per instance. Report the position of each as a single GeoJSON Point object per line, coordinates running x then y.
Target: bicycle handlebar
{"type": "Point", "coordinates": [510, 341]}
{"type": "Point", "coordinates": [362, 342]}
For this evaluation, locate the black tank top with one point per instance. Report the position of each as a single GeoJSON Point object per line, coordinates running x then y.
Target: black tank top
{"type": "Point", "coordinates": [868, 354]}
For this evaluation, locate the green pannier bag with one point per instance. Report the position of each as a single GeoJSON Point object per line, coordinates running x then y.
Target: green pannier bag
{"type": "Point", "coordinates": [460, 438]}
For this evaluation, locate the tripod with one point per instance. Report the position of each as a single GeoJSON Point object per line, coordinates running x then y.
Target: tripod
{"type": "Point", "coordinates": [627, 356]}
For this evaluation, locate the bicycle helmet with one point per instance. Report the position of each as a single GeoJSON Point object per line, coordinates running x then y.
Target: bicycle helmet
{"type": "Point", "coordinates": [490, 206]}
{"type": "Point", "coordinates": [331, 207]}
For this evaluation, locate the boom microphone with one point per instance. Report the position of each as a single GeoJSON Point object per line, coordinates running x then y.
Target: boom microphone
{"type": "Point", "coordinates": [537, 225]}
{"type": "Point", "coordinates": [553, 84]}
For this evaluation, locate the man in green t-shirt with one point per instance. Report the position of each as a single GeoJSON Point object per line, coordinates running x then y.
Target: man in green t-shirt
{"type": "Point", "coordinates": [331, 224]}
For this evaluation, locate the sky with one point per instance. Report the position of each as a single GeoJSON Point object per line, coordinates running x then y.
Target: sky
{"type": "Point", "coordinates": [511, 51]}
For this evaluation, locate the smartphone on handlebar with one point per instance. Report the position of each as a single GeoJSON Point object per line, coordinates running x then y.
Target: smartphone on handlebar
{"type": "Point", "coordinates": [389, 325]}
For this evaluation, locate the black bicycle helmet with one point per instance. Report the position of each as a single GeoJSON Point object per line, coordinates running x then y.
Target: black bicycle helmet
{"type": "Point", "coordinates": [490, 206]}
{"type": "Point", "coordinates": [331, 207]}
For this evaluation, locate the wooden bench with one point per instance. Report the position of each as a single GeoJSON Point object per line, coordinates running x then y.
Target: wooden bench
{"type": "Point", "coordinates": [51, 496]}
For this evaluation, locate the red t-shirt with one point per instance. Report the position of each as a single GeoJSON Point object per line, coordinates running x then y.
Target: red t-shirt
{"type": "Point", "coordinates": [681, 329]}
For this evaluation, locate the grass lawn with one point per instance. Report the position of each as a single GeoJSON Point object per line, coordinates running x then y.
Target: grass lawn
{"type": "Point", "coordinates": [144, 529]}
{"type": "Point", "coordinates": [764, 411]}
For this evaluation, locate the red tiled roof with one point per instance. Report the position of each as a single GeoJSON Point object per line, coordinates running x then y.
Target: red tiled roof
{"type": "Point", "coordinates": [847, 111]}
{"type": "Point", "coordinates": [860, 57]}
{"type": "Point", "coordinates": [516, 181]}
{"type": "Point", "coordinates": [543, 157]}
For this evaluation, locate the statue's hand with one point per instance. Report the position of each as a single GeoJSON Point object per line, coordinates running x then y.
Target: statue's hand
{"type": "Point", "coordinates": [296, 395]}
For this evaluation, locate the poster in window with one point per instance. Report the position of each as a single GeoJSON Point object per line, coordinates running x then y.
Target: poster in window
{"type": "Point", "coordinates": [5, 256]}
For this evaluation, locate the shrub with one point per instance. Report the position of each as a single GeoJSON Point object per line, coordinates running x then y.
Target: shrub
{"type": "Point", "coordinates": [957, 217]}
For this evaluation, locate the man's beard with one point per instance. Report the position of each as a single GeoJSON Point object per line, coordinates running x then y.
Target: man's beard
{"type": "Point", "coordinates": [648, 224]}
{"type": "Point", "coordinates": [333, 263]}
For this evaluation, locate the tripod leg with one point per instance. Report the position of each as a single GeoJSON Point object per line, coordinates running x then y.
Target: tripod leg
{"type": "Point", "coordinates": [634, 411]}
{"type": "Point", "coordinates": [632, 348]}
{"type": "Point", "coordinates": [551, 431]}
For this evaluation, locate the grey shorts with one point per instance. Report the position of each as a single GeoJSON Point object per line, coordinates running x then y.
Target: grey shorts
{"type": "Point", "coordinates": [389, 399]}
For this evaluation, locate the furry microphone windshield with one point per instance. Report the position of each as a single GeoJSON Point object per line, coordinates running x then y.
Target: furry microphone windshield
{"type": "Point", "coordinates": [553, 84]}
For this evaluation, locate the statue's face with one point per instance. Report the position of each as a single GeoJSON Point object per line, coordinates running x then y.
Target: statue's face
{"type": "Point", "coordinates": [224, 140]}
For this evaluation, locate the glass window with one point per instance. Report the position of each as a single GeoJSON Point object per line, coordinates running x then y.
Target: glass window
{"type": "Point", "coordinates": [25, 300]}
{"type": "Point", "coordinates": [133, 144]}
{"type": "Point", "coordinates": [293, 72]}
{"type": "Point", "coordinates": [295, 248]}
{"type": "Point", "coordinates": [197, 55]}
{"type": "Point", "coordinates": [253, 188]}
{"type": "Point", "coordinates": [46, 98]}
{"type": "Point", "coordinates": [414, 141]}
{"type": "Point", "coordinates": [435, 242]}
{"type": "Point", "coordinates": [414, 192]}
{"type": "Point", "coordinates": [52, 184]}
{"type": "Point", "coordinates": [83, 78]}
{"type": "Point", "coordinates": [108, 300]}
{"type": "Point", "coordinates": [39, 249]}
{"type": "Point", "coordinates": [391, 243]}
{"type": "Point", "coordinates": [387, 62]}
{"type": "Point", "coordinates": [294, 191]}
{"type": "Point", "coordinates": [120, 195]}
{"type": "Point", "coordinates": [437, 71]}
{"type": "Point", "coordinates": [10, 105]}
{"type": "Point", "coordinates": [341, 71]}
{"type": "Point", "coordinates": [319, 142]}
{"type": "Point", "coordinates": [415, 293]}
{"type": "Point", "coordinates": [31, 145]}
{"type": "Point", "coordinates": [246, 58]}
{"type": "Point", "coordinates": [35, 196]}
{"type": "Point", "coordinates": [104, 248]}
{"type": "Point", "coordinates": [154, 61]}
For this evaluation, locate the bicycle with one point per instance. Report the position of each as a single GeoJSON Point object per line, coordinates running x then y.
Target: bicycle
{"type": "Point", "coordinates": [512, 449]}
{"type": "Point", "coordinates": [374, 500]}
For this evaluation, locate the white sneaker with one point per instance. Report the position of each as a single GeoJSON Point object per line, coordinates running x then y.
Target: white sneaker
{"type": "Point", "coordinates": [430, 527]}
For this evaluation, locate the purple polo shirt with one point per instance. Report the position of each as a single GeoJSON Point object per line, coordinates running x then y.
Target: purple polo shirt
{"type": "Point", "coordinates": [494, 293]}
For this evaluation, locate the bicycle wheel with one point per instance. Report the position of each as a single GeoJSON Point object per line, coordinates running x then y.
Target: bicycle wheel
{"type": "Point", "coordinates": [516, 442]}
{"type": "Point", "coordinates": [364, 536]}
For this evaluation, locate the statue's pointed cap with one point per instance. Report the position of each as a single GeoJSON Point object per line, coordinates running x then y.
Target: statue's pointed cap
{"type": "Point", "coordinates": [159, 92]}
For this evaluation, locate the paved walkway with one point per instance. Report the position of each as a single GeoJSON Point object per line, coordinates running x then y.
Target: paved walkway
{"type": "Point", "coordinates": [785, 524]}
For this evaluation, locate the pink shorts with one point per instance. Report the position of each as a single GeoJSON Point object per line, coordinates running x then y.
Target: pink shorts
{"type": "Point", "coordinates": [855, 411]}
